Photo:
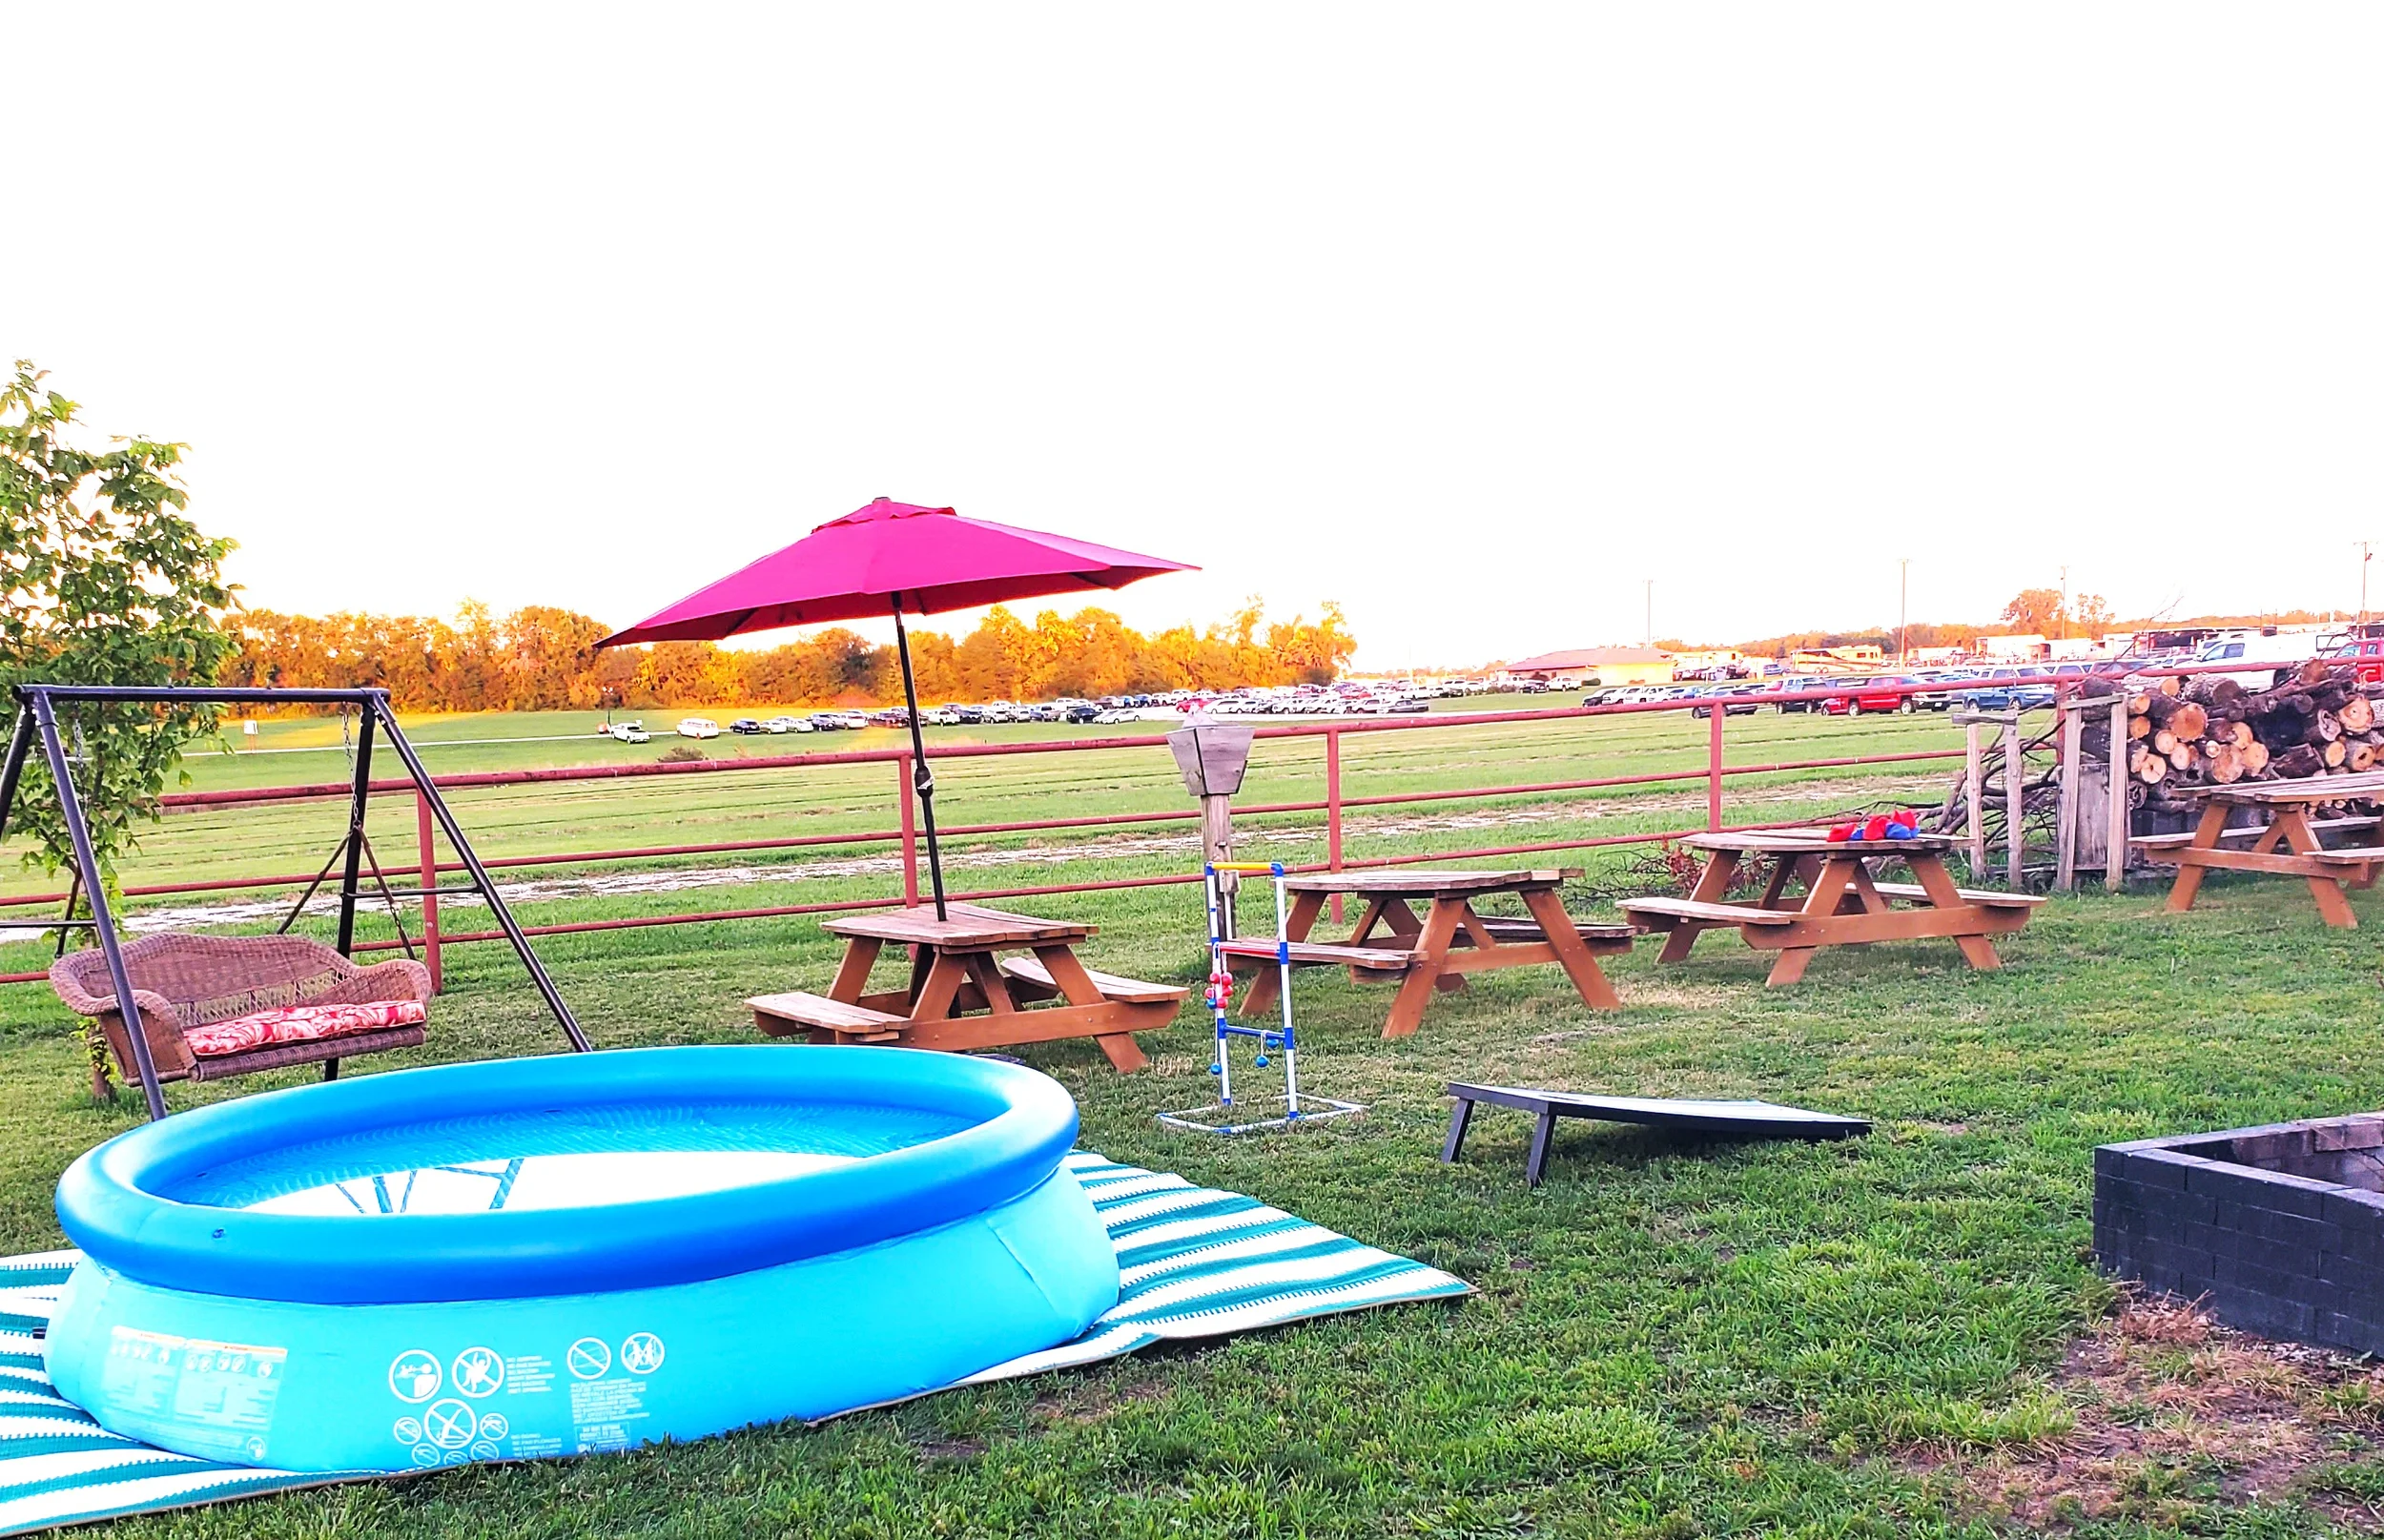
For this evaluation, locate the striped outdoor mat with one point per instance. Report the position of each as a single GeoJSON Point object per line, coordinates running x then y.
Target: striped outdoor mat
{"type": "Point", "coordinates": [1193, 1263]}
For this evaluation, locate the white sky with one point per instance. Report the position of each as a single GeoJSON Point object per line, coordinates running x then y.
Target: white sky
{"type": "Point", "coordinates": [1472, 317]}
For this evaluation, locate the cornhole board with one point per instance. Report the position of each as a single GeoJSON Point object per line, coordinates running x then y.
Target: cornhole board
{"type": "Point", "coordinates": [1715, 1119]}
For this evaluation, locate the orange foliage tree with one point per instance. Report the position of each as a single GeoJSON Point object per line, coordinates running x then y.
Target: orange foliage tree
{"type": "Point", "coordinates": [544, 658]}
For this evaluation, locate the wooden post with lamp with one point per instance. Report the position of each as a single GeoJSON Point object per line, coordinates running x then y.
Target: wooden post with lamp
{"type": "Point", "coordinates": [1212, 755]}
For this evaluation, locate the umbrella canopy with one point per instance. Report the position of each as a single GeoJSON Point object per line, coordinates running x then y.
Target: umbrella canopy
{"type": "Point", "coordinates": [856, 566]}
{"type": "Point", "coordinates": [888, 558]}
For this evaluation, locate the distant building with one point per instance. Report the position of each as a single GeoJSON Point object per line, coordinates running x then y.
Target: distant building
{"type": "Point", "coordinates": [1606, 665]}
{"type": "Point", "coordinates": [1807, 660]}
{"type": "Point", "coordinates": [1701, 662]}
{"type": "Point", "coordinates": [2015, 649]}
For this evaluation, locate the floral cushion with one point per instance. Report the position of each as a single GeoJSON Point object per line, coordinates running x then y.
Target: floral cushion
{"type": "Point", "coordinates": [301, 1023]}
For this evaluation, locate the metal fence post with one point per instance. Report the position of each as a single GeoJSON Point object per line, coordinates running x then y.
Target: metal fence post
{"type": "Point", "coordinates": [909, 833]}
{"type": "Point", "coordinates": [1713, 767]}
{"type": "Point", "coordinates": [429, 862]}
{"type": "Point", "coordinates": [2115, 868]}
{"type": "Point", "coordinates": [2015, 809]}
{"type": "Point", "coordinates": [1332, 809]}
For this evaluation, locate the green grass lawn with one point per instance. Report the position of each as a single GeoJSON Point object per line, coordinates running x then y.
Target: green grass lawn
{"type": "Point", "coordinates": [1882, 1337]}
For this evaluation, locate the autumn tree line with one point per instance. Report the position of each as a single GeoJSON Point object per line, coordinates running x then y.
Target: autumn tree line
{"type": "Point", "coordinates": [542, 657]}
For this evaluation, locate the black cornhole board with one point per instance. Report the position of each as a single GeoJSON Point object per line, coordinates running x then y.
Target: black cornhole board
{"type": "Point", "coordinates": [1721, 1120]}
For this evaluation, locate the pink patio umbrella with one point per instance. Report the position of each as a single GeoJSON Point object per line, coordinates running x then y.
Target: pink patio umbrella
{"type": "Point", "coordinates": [889, 557]}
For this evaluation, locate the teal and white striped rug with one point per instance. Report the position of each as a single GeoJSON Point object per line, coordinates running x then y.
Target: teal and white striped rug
{"type": "Point", "coordinates": [1194, 1263]}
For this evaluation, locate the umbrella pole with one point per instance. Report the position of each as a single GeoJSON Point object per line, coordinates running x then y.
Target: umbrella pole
{"type": "Point", "coordinates": [922, 779]}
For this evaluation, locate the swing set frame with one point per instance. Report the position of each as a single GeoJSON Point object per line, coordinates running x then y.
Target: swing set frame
{"type": "Point", "coordinates": [37, 719]}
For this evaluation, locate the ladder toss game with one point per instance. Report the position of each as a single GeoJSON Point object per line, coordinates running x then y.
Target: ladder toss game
{"type": "Point", "coordinates": [1218, 1118]}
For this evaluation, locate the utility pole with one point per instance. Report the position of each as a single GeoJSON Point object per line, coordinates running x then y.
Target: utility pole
{"type": "Point", "coordinates": [2064, 604]}
{"type": "Point", "coordinates": [1651, 613]}
{"type": "Point", "coordinates": [2366, 555]}
{"type": "Point", "coordinates": [1903, 607]}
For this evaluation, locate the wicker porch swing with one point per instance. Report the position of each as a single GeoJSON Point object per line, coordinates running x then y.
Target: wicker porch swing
{"type": "Point", "coordinates": [177, 1006]}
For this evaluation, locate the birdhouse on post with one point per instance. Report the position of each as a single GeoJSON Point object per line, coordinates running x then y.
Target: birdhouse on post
{"type": "Point", "coordinates": [1212, 755]}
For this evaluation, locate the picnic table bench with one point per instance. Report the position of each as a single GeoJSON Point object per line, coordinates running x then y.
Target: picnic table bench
{"type": "Point", "coordinates": [957, 969]}
{"type": "Point", "coordinates": [2304, 855]}
{"type": "Point", "coordinates": [1438, 949]}
{"type": "Point", "coordinates": [1841, 905]}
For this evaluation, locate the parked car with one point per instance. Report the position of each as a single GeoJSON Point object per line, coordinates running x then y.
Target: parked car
{"type": "Point", "coordinates": [628, 732]}
{"type": "Point", "coordinates": [745, 727]}
{"type": "Point", "coordinates": [789, 724]}
{"type": "Point", "coordinates": [828, 722]}
{"type": "Point", "coordinates": [1799, 692]}
{"type": "Point", "coordinates": [2270, 655]}
{"type": "Point", "coordinates": [698, 727]}
{"type": "Point", "coordinates": [1852, 697]}
{"type": "Point", "coordinates": [940, 716]}
{"type": "Point", "coordinates": [1733, 701]}
{"type": "Point", "coordinates": [893, 716]}
{"type": "Point", "coordinates": [1940, 700]}
{"type": "Point", "coordinates": [966, 715]}
{"type": "Point", "coordinates": [1533, 686]}
{"type": "Point", "coordinates": [1079, 712]}
{"type": "Point", "coordinates": [2014, 689]}
{"type": "Point", "coordinates": [2367, 656]}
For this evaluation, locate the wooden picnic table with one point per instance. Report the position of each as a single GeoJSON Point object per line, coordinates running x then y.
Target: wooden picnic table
{"type": "Point", "coordinates": [1438, 948]}
{"type": "Point", "coordinates": [1842, 904]}
{"type": "Point", "coordinates": [957, 969]}
{"type": "Point", "coordinates": [2304, 855]}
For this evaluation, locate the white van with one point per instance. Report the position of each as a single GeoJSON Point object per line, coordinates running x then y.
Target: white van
{"type": "Point", "coordinates": [2270, 654]}
{"type": "Point", "coordinates": [698, 727]}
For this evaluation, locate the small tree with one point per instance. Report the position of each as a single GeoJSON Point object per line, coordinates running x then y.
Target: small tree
{"type": "Point", "coordinates": [2034, 611]}
{"type": "Point", "coordinates": [103, 580]}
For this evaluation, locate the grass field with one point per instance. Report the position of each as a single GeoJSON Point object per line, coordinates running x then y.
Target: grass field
{"type": "Point", "coordinates": [1903, 1335]}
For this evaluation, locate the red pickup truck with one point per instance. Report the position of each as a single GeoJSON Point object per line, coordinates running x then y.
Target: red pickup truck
{"type": "Point", "coordinates": [2368, 653]}
{"type": "Point", "coordinates": [1852, 697]}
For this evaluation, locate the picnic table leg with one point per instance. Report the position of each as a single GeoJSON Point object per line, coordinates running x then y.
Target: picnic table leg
{"type": "Point", "coordinates": [944, 976]}
{"type": "Point", "coordinates": [2206, 832]}
{"type": "Point", "coordinates": [1712, 887]}
{"type": "Point", "coordinates": [1394, 911]}
{"type": "Point", "coordinates": [860, 954]}
{"type": "Point", "coordinates": [990, 983]}
{"type": "Point", "coordinates": [1543, 1135]}
{"type": "Point", "coordinates": [2292, 824]}
{"type": "Point", "coordinates": [1548, 907]}
{"type": "Point", "coordinates": [1463, 921]}
{"type": "Point", "coordinates": [1415, 990]}
{"type": "Point", "coordinates": [1297, 924]}
{"type": "Point", "coordinates": [1829, 885]}
{"type": "Point", "coordinates": [1784, 870]}
{"type": "Point", "coordinates": [1368, 917]}
{"type": "Point", "coordinates": [1459, 1116]}
{"type": "Point", "coordinates": [1125, 1054]}
{"type": "Point", "coordinates": [1939, 883]}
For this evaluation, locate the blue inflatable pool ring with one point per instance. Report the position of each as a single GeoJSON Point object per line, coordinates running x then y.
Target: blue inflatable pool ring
{"type": "Point", "coordinates": [544, 1257]}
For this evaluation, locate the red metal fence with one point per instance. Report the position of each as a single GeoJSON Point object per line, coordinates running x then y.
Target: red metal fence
{"type": "Point", "coordinates": [1715, 772]}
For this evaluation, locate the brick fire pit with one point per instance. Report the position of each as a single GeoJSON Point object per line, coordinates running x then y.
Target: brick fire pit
{"type": "Point", "coordinates": [2280, 1228]}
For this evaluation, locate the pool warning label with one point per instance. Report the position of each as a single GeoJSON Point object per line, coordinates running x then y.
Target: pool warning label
{"type": "Point", "coordinates": [451, 1405]}
{"type": "Point", "coordinates": [604, 1410]}
{"type": "Point", "coordinates": [212, 1395]}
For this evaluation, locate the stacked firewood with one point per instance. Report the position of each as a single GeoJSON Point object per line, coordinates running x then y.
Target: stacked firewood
{"type": "Point", "coordinates": [2213, 730]}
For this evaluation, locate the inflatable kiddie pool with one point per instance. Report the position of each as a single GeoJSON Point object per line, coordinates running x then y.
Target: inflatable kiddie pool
{"type": "Point", "coordinates": [547, 1255]}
